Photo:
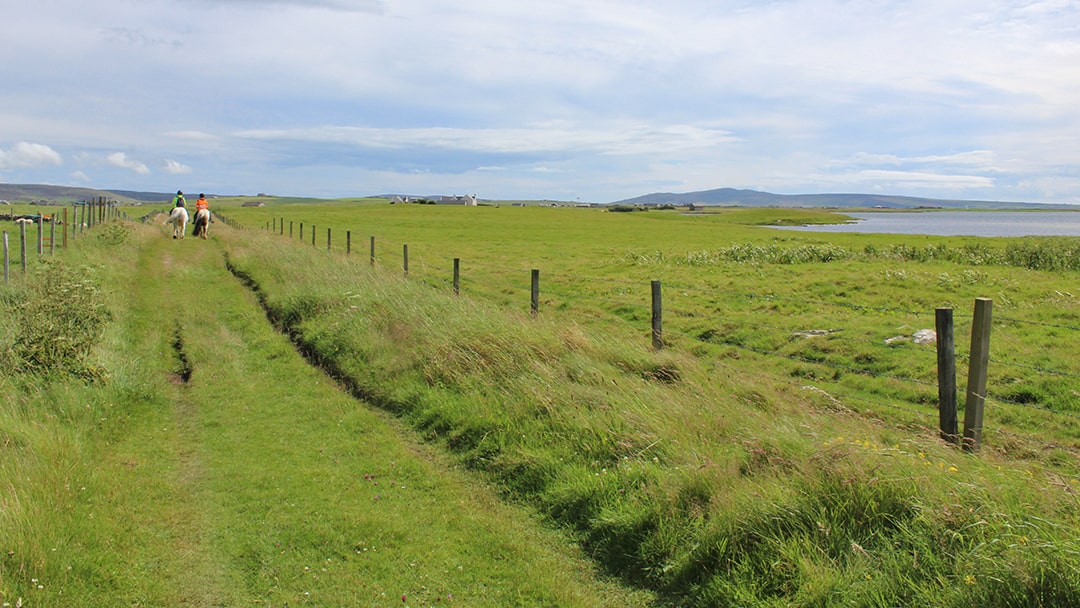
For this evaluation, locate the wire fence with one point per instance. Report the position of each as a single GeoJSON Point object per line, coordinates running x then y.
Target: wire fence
{"type": "Point", "coordinates": [879, 355]}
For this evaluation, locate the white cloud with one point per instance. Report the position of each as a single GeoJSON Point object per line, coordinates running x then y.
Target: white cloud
{"type": "Point", "coordinates": [121, 160]}
{"type": "Point", "coordinates": [174, 167]}
{"type": "Point", "coordinates": [29, 155]}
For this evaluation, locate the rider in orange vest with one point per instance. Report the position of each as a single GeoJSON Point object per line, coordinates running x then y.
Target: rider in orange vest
{"type": "Point", "coordinates": [201, 203]}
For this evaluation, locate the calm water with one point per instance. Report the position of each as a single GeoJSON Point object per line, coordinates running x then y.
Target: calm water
{"type": "Point", "coordinates": [960, 223]}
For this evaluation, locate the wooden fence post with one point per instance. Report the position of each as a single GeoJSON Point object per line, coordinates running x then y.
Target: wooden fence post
{"type": "Point", "coordinates": [281, 227]}
{"type": "Point", "coordinates": [22, 245]}
{"type": "Point", "coordinates": [290, 228]}
{"type": "Point", "coordinates": [457, 276]}
{"type": "Point", "coordinates": [328, 239]}
{"type": "Point", "coordinates": [7, 263]}
{"type": "Point", "coordinates": [65, 227]}
{"type": "Point", "coordinates": [313, 235]}
{"type": "Point", "coordinates": [978, 363]}
{"type": "Point", "coordinates": [372, 250]}
{"type": "Point", "coordinates": [657, 317]}
{"type": "Point", "coordinates": [946, 363]}
{"type": "Point", "coordinates": [301, 231]}
{"type": "Point", "coordinates": [52, 235]}
{"type": "Point", "coordinates": [535, 291]}
{"type": "Point", "coordinates": [348, 242]}
{"type": "Point", "coordinates": [40, 235]}
{"type": "Point", "coordinates": [405, 258]}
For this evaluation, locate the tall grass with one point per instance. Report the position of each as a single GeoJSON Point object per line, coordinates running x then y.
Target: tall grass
{"type": "Point", "coordinates": [714, 481]}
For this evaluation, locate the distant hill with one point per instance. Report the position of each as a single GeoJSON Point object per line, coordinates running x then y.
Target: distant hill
{"type": "Point", "coordinates": [68, 194]}
{"type": "Point", "coordinates": [754, 198]}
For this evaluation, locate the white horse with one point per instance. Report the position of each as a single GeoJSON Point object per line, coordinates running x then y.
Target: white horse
{"type": "Point", "coordinates": [201, 223]}
{"type": "Point", "coordinates": [179, 219]}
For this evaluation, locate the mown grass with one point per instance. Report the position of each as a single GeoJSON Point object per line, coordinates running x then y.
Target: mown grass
{"type": "Point", "coordinates": [743, 464]}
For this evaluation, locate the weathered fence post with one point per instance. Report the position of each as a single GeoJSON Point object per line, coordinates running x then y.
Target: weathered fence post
{"type": "Point", "coordinates": [946, 364]}
{"type": "Point", "coordinates": [457, 276]}
{"type": "Point", "coordinates": [7, 263]}
{"type": "Point", "coordinates": [328, 239]}
{"type": "Point", "coordinates": [301, 231]}
{"type": "Point", "coordinates": [348, 242]}
{"type": "Point", "coordinates": [22, 245]}
{"type": "Point", "coordinates": [313, 235]}
{"type": "Point", "coordinates": [64, 230]}
{"type": "Point", "coordinates": [657, 317]}
{"type": "Point", "coordinates": [405, 258]}
{"type": "Point", "coordinates": [290, 228]}
{"type": "Point", "coordinates": [41, 234]}
{"type": "Point", "coordinates": [978, 363]}
{"type": "Point", "coordinates": [281, 227]}
{"type": "Point", "coordinates": [535, 291]}
{"type": "Point", "coordinates": [372, 250]}
{"type": "Point", "coordinates": [52, 235]}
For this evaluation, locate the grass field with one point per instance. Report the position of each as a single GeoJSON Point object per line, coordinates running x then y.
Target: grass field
{"type": "Point", "coordinates": [780, 450]}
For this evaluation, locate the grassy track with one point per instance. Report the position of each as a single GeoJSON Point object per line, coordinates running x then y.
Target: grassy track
{"type": "Point", "coordinates": [256, 482]}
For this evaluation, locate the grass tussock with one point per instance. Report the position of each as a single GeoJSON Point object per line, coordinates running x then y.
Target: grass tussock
{"type": "Point", "coordinates": [708, 480]}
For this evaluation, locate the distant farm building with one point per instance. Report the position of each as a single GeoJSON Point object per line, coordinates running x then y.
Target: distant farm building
{"type": "Point", "coordinates": [253, 204]}
{"type": "Point", "coordinates": [468, 200]}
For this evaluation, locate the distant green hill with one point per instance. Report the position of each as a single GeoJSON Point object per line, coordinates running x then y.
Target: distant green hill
{"type": "Point", "coordinates": [754, 198]}
{"type": "Point", "coordinates": [68, 194]}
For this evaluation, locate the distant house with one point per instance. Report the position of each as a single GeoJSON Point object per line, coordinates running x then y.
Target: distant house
{"type": "Point", "coordinates": [253, 204]}
{"type": "Point", "coordinates": [469, 200]}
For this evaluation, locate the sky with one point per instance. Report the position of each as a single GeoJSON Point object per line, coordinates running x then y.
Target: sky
{"type": "Point", "coordinates": [582, 100]}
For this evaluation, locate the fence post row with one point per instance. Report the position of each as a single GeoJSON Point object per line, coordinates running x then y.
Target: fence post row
{"type": "Point", "coordinates": [946, 355]}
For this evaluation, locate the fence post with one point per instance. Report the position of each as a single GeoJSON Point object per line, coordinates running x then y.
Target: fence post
{"type": "Point", "coordinates": [348, 242]}
{"type": "Point", "coordinates": [457, 276]}
{"type": "Point", "coordinates": [64, 230]}
{"type": "Point", "coordinates": [7, 264]}
{"type": "Point", "coordinates": [657, 317]}
{"type": "Point", "coordinates": [22, 245]}
{"type": "Point", "coordinates": [978, 362]}
{"type": "Point", "coordinates": [328, 239]}
{"type": "Point", "coordinates": [946, 364]}
{"type": "Point", "coordinates": [40, 235]}
{"type": "Point", "coordinates": [405, 258]}
{"type": "Point", "coordinates": [372, 250]}
{"type": "Point", "coordinates": [281, 227]}
{"type": "Point", "coordinates": [52, 235]}
{"type": "Point", "coordinates": [535, 299]}
{"type": "Point", "coordinates": [301, 231]}
{"type": "Point", "coordinates": [313, 235]}
{"type": "Point", "coordinates": [290, 228]}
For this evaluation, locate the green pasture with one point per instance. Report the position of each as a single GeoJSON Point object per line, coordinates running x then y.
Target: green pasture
{"type": "Point", "coordinates": [781, 449]}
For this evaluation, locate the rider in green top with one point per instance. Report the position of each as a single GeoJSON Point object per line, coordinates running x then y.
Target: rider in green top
{"type": "Point", "coordinates": [178, 200]}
